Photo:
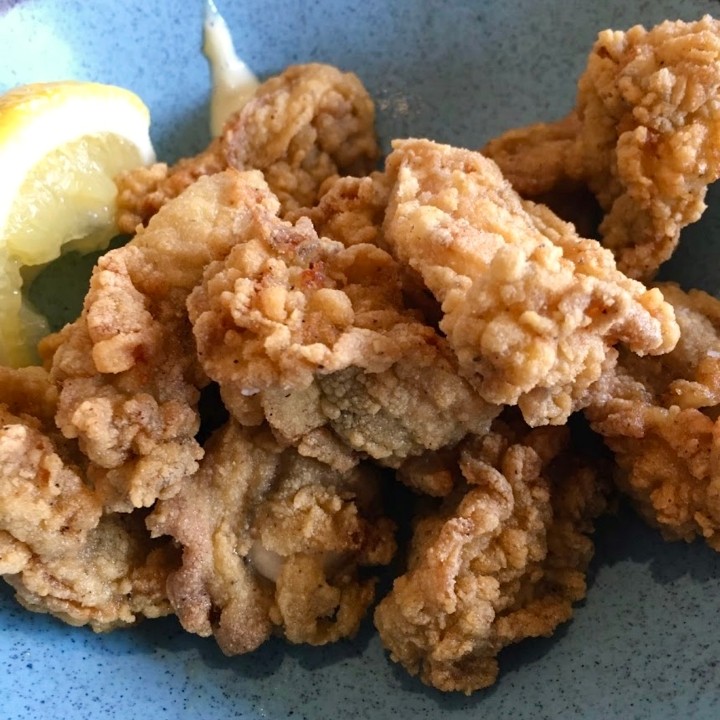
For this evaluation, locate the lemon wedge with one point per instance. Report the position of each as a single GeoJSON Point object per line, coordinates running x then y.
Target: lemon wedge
{"type": "Point", "coordinates": [61, 145]}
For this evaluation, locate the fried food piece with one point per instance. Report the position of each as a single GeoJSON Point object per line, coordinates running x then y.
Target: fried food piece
{"type": "Point", "coordinates": [531, 309]}
{"type": "Point", "coordinates": [114, 579]}
{"type": "Point", "coordinates": [538, 158]}
{"type": "Point", "coordinates": [660, 417]}
{"type": "Point", "coordinates": [433, 473]}
{"type": "Point", "coordinates": [141, 192]}
{"type": "Point", "coordinates": [45, 506]}
{"type": "Point", "coordinates": [647, 138]}
{"type": "Point", "coordinates": [650, 140]}
{"type": "Point", "coordinates": [349, 209]}
{"type": "Point", "coordinates": [503, 558]}
{"type": "Point", "coordinates": [56, 549]}
{"type": "Point", "coordinates": [29, 391]}
{"type": "Point", "coordinates": [301, 127]}
{"type": "Point", "coordinates": [314, 337]}
{"type": "Point", "coordinates": [272, 542]}
{"type": "Point", "coordinates": [127, 368]}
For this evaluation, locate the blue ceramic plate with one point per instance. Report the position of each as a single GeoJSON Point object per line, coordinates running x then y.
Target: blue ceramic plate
{"type": "Point", "coordinates": [646, 642]}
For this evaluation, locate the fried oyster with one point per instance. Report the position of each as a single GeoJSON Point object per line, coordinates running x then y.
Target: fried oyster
{"type": "Point", "coordinates": [57, 549]}
{"type": "Point", "coordinates": [273, 542]}
{"type": "Point", "coordinates": [307, 124]}
{"type": "Point", "coordinates": [127, 368]}
{"type": "Point", "coordinates": [660, 417]}
{"type": "Point", "coordinates": [531, 310]}
{"type": "Point", "coordinates": [503, 558]}
{"type": "Point", "coordinates": [644, 137]}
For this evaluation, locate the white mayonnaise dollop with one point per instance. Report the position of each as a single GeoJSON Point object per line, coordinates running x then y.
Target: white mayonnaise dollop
{"type": "Point", "coordinates": [233, 83]}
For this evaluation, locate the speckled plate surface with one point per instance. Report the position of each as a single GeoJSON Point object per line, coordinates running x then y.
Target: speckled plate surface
{"type": "Point", "coordinates": [646, 642]}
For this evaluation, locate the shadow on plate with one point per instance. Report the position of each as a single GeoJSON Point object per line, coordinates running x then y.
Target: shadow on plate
{"type": "Point", "coordinates": [625, 537]}
{"type": "Point", "coordinates": [695, 262]}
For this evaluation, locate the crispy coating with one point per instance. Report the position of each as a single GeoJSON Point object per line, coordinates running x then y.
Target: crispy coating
{"type": "Point", "coordinates": [433, 473]}
{"type": "Point", "coordinates": [286, 303]}
{"type": "Point", "coordinates": [142, 191]}
{"type": "Point", "coordinates": [127, 368]}
{"type": "Point", "coordinates": [503, 558]}
{"type": "Point", "coordinates": [56, 549]}
{"type": "Point", "coordinates": [45, 506]}
{"type": "Point", "coordinates": [305, 125]}
{"type": "Point", "coordinates": [116, 578]}
{"type": "Point", "coordinates": [660, 417]}
{"type": "Point", "coordinates": [531, 309]}
{"type": "Point", "coordinates": [272, 542]}
{"type": "Point", "coordinates": [313, 335]}
{"type": "Point", "coordinates": [349, 209]}
{"type": "Point", "coordinates": [29, 391]}
{"type": "Point", "coordinates": [647, 138]}
{"type": "Point", "coordinates": [650, 140]}
{"type": "Point", "coordinates": [538, 158]}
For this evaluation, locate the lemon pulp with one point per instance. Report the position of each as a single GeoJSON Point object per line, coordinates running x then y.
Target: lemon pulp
{"type": "Point", "coordinates": [62, 144]}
